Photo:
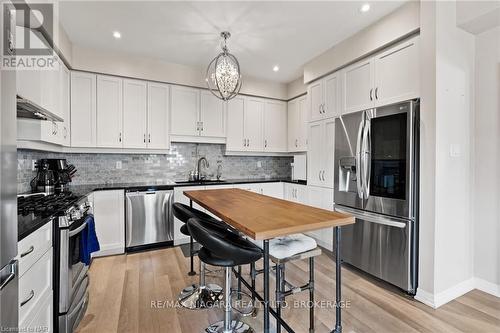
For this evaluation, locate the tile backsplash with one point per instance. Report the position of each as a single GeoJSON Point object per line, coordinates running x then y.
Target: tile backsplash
{"type": "Point", "coordinates": [175, 165]}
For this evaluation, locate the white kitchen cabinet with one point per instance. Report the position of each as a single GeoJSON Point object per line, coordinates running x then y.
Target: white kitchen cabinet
{"type": "Point", "coordinates": [83, 109]}
{"type": "Point", "coordinates": [180, 238]}
{"type": "Point", "coordinates": [212, 116]}
{"type": "Point", "coordinates": [320, 165]}
{"type": "Point", "coordinates": [109, 216]}
{"type": "Point", "coordinates": [43, 318]}
{"type": "Point", "coordinates": [252, 187]}
{"type": "Point", "coordinates": [397, 73]}
{"type": "Point", "coordinates": [109, 111]}
{"type": "Point", "coordinates": [185, 105]}
{"type": "Point", "coordinates": [158, 116]}
{"type": "Point", "coordinates": [275, 126]}
{"type": "Point", "coordinates": [253, 118]}
{"type": "Point", "coordinates": [315, 97]}
{"type": "Point", "coordinates": [39, 130]}
{"type": "Point", "coordinates": [297, 124]}
{"type": "Point", "coordinates": [49, 84]}
{"type": "Point", "coordinates": [321, 197]}
{"type": "Point", "coordinates": [64, 105]}
{"type": "Point", "coordinates": [388, 77]}
{"type": "Point", "coordinates": [274, 189]}
{"type": "Point", "coordinates": [134, 114]}
{"type": "Point", "coordinates": [295, 192]}
{"type": "Point", "coordinates": [236, 140]}
{"type": "Point", "coordinates": [28, 84]}
{"type": "Point", "coordinates": [33, 247]}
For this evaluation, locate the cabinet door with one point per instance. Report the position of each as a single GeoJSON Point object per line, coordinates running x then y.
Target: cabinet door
{"type": "Point", "coordinates": [158, 116]}
{"type": "Point", "coordinates": [328, 152]}
{"type": "Point", "coordinates": [49, 85]}
{"type": "Point", "coordinates": [273, 189]}
{"type": "Point", "coordinates": [254, 112]}
{"type": "Point", "coordinates": [315, 96]}
{"type": "Point", "coordinates": [332, 103]}
{"type": "Point", "coordinates": [212, 116]}
{"type": "Point", "coordinates": [83, 110]}
{"type": "Point", "coordinates": [293, 125]}
{"type": "Point", "coordinates": [64, 105]}
{"type": "Point", "coordinates": [275, 127]}
{"type": "Point", "coordinates": [109, 111]}
{"type": "Point", "coordinates": [134, 114]}
{"type": "Point", "coordinates": [235, 124]}
{"type": "Point", "coordinates": [28, 81]}
{"type": "Point", "coordinates": [109, 215]}
{"type": "Point", "coordinates": [315, 153]}
{"type": "Point", "coordinates": [358, 86]}
{"type": "Point", "coordinates": [303, 124]}
{"type": "Point", "coordinates": [185, 106]}
{"type": "Point", "coordinates": [397, 74]}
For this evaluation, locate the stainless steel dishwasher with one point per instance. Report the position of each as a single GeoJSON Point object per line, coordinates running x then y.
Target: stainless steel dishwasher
{"type": "Point", "coordinates": [149, 219]}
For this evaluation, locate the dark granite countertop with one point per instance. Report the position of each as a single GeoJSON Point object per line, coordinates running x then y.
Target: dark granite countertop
{"type": "Point", "coordinates": [29, 223]}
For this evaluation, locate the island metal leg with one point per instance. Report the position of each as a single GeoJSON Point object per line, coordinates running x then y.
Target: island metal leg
{"type": "Point", "coordinates": [191, 247]}
{"type": "Point", "coordinates": [338, 295]}
{"type": "Point", "coordinates": [266, 286]}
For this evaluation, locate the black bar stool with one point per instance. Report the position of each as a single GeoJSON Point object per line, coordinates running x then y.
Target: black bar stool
{"type": "Point", "coordinates": [224, 248]}
{"type": "Point", "coordinates": [202, 295]}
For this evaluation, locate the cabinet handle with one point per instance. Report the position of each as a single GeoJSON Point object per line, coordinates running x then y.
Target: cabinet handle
{"type": "Point", "coordinates": [120, 137]}
{"type": "Point", "coordinates": [30, 297]}
{"type": "Point", "coordinates": [144, 137]}
{"type": "Point", "coordinates": [65, 132]}
{"type": "Point", "coordinates": [323, 175]}
{"type": "Point", "coordinates": [248, 142]}
{"type": "Point", "coordinates": [371, 98]}
{"type": "Point", "coordinates": [376, 93]}
{"type": "Point", "coordinates": [31, 249]}
{"type": "Point", "coordinates": [149, 138]}
{"type": "Point", "coordinates": [201, 125]}
{"type": "Point", "coordinates": [265, 143]}
{"type": "Point", "coordinates": [319, 175]}
{"type": "Point", "coordinates": [244, 142]}
{"type": "Point", "coordinates": [296, 142]}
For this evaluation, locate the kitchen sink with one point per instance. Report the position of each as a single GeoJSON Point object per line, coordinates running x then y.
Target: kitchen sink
{"type": "Point", "coordinates": [204, 181]}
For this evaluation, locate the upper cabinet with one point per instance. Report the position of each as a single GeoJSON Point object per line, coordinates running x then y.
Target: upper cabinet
{"type": "Point", "coordinates": [109, 112]}
{"type": "Point", "coordinates": [158, 116]}
{"type": "Point", "coordinates": [83, 109]}
{"type": "Point", "coordinates": [64, 104]}
{"type": "Point", "coordinates": [253, 123]}
{"type": "Point", "coordinates": [197, 116]}
{"type": "Point", "coordinates": [297, 124]}
{"type": "Point", "coordinates": [134, 114]}
{"type": "Point", "coordinates": [323, 98]}
{"type": "Point", "coordinates": [388, 77]}
{"type": "Point", "coordinates": [235, 140]}
{"type": "Point", "coordinates": [275, 126]}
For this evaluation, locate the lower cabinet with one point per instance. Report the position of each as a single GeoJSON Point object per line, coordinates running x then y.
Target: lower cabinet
{"type": "Point", "coordinates": [35, 281]}
{"type": "Point", "coordinates": [271, 189]}
{"type": "Point", "coordinates": [296, 193]}
{"type": "Point", "coordinates": [179, 196]}
{"type": "Point", "coordinates": [321, 197]}
{"type": "Point", "coordinates": [109, 216]}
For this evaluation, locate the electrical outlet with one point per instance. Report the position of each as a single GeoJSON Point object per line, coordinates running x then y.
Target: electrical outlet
{"type": "Point", "coordinates": [33, 165]}
{"type": "Point", "coordinates": [259, 164]}
{"type": "Point", "coordinates": [118, 164]}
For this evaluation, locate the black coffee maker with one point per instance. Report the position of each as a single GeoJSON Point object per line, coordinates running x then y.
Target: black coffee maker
{"type": "Point", "coordinates": [53, 176]}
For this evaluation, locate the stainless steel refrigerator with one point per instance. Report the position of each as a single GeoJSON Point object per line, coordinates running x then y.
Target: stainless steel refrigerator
{"type": "Point", "coordinates": [8, 190]}
{"type": "Point", "coordinates": [376, 180]}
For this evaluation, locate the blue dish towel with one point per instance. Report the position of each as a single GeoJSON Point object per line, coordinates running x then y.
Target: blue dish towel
{"type": "Point", "coordinates": [88, 241]}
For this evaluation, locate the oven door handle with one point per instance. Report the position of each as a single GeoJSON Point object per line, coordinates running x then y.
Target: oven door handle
{"type": "Point", "coordinates": [77, 230]}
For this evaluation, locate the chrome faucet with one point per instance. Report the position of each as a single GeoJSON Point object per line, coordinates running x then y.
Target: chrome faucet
{"type": "Point", "coordinates": [204, 161]}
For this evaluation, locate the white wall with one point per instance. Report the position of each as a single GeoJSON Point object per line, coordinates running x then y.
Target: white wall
{"type": "Point", "coordinates": [478, 16]}
{"type": "Point", "coordinates": [296, 88]}
{"type": "Point", "coordinates": [114, 63]}
{"type": "Point", "coordinates": [446, 257]}
{"type": "Point", "coordinates": [403, 21]}
{"type": "Point", "coordinates": [486, 198]}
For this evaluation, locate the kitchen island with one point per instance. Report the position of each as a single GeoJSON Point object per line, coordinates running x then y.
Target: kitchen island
{"type": "Point", "coordinates": [261, 217]}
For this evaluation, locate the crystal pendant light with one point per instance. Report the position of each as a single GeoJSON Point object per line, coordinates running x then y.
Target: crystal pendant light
{"type": "Point", "coordinates": [223, 73]}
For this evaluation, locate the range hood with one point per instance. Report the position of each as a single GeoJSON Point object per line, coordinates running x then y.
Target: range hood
{"type": "Point", "coordinates": [28, 109]}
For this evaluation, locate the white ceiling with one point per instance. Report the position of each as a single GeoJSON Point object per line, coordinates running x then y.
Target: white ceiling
{"type": "Point", "coordinates": [286, 33]}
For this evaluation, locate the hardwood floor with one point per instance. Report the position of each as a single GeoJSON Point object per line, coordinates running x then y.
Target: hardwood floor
{"type": "Point", "coordinates": [133, 293]}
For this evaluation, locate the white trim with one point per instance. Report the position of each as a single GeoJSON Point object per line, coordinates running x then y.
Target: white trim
{"type": "Point", "coordinates": [437, 300]}
{"type": "Point", "coordinates": [254, 153]}
{"type": "Point", "coordinates": [197, 139]}
{"type": "Point", "coordinates": [487, 287]}
{"type": "Point", "coordinates": [49, 147]}
{"type": "Point", "coordinates": [108, 250]}
{"type": "Point", "coordinates": [425, 297]}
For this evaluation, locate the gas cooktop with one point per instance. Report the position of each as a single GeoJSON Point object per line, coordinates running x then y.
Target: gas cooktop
{"type": "Point", "coordinates": [41, 204]}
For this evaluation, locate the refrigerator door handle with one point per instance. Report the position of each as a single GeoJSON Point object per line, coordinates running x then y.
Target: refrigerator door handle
{"type": "Point", "coordinates": [359, 183]}
{"type": "Point", "coordinates": [374, 218]}
{"type": "Point", "coordinates": [366, 159]}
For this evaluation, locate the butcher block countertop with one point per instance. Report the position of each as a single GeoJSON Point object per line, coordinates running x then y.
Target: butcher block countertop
{"type": "Point", "coordinates": [262, 217]}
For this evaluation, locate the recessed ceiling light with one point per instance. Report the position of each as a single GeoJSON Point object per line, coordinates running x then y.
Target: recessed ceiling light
{"type": "Point", "coordinates": [365, 8]}
{"type": "Point", "coordinates": [276, 68]}
{"type": "Point", "coordinates": [117, 34]}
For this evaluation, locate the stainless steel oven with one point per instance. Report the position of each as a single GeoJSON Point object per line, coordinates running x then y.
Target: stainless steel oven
{"type": "Point", "coordinates": [70, 276]}
{"type": "Point", "coordinates": [376, 180]}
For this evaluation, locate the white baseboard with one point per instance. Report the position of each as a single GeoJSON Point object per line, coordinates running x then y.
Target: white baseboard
{"type": "Point", "coordinates": [437, 300]}
{"type": "Point", "coordinates": [109, 250]}
{"type": "Point", "coordinates": [425, 297]}
{"type": "Point", "coordinates": [487, 287]}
